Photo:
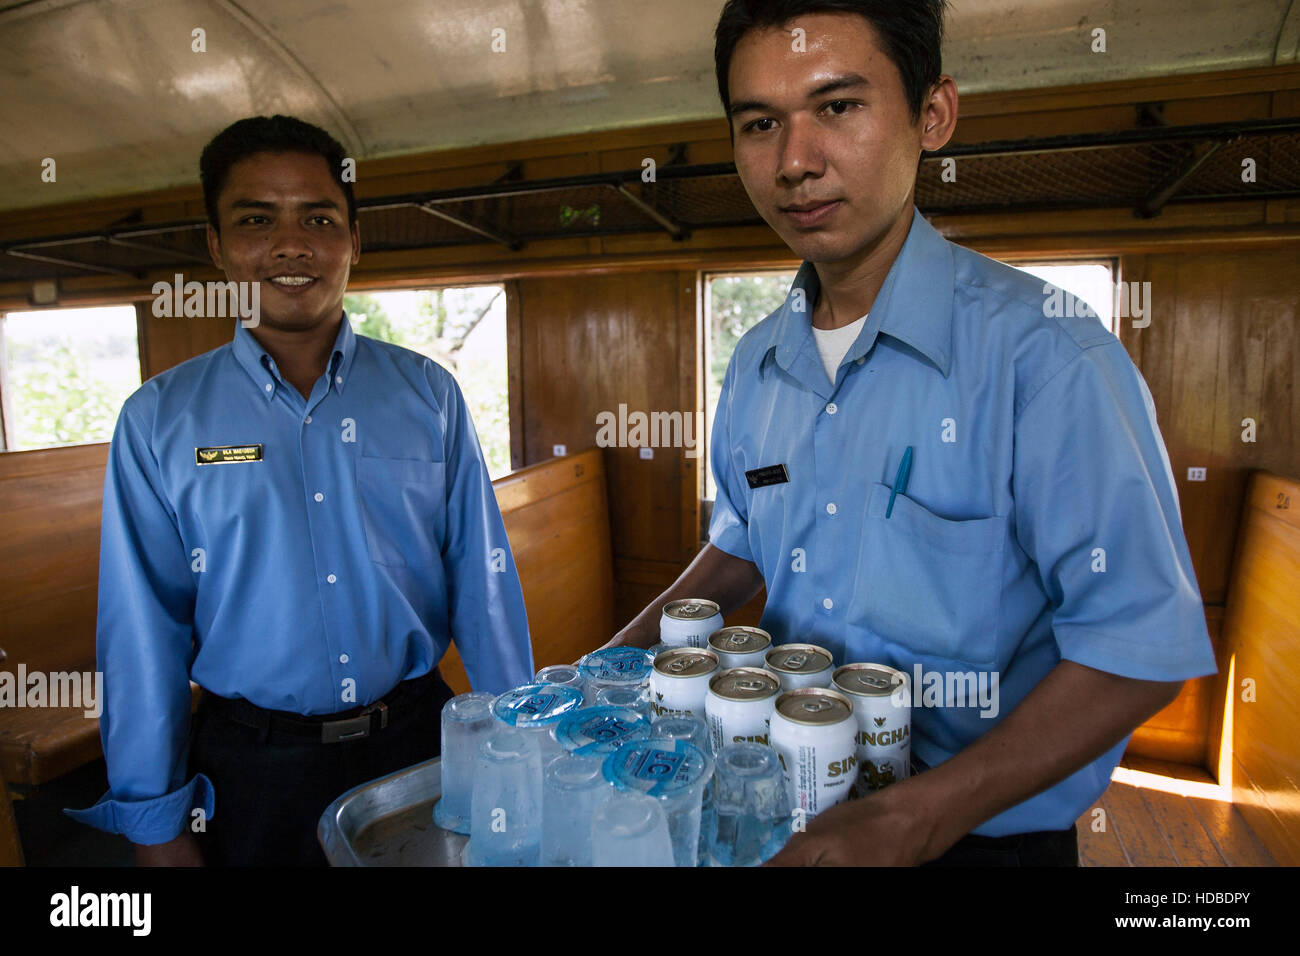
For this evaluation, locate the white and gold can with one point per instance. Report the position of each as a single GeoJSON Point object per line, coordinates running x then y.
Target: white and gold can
{"type": "Point", "coordinates": [689, 622]}
{"type": "Point", "coordinates": [739, 706]}
{"type": "Point", "coordinates": [882, 705]}
{"type": "Point", "coordinates": [740, 646]}
{"type": "Point", "coordinates": [800, 665]}
{"type": "Point", "coordinates": [679, 681]}
{"type": "Point", "coordinates": [813, 733]}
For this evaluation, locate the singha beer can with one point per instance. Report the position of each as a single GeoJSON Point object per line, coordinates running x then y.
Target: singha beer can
{"type": "Point", "coordinates": [800, 665]}
{"type": "Point", "coordinates": [739, 706]}
{"type": "Point", "coordinates": [689, 623]}
{"type": "Point", "coordinates": [740, 646]}
{"type": "Point", "coordinates": [813, 733]}
{"type": "Point", "coordinates": [679, 681]}
{"type": "Point", "coordinates": [882, 705]}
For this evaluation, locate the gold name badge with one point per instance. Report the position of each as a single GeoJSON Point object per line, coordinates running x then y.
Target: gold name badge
{"type": "Point", "coordinates": [227, 454]}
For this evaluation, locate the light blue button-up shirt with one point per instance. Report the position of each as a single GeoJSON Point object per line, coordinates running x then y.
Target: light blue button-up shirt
{"type": "Point", "coordinates": [1040, 521]}
{"type": "Point", "coordinates": [314, 580]}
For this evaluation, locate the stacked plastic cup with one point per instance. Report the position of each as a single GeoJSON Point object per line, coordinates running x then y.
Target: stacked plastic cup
{"type": "Point", "coordinates": [615, 667]}
{"type": "Point", "coordinates": [599, 731]}
{"type": "Point", "coordinates": [751, 818]}
{"type": "Point", "coordinates": [466, 722]}
{"type": "Point", "coordinates": [634, 698]}
{"type": "Point", "coordinates": [566, 675]}
{"type": "Point", "coordinates": [506, 809]}
{"type": "Point", "coordinates": [630, 829]}
{"type": "Point", "coordinates": [536, 709]}
{"type": "Point", "coordinates": [572, 786]}
{"type": "Point", "coordinates": [691, 728]}
{"type": "Point", "coordinates": [676, 773]}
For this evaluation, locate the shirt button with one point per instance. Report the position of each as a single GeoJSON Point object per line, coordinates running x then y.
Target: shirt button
{"type": "Point", "coordinates": [832, 408]}
{"type": "Point", "coordinates": [339, 379]}
{"type": "Point", "coordinates": [827, 603]}
{"type": "Point", "coordinates": [343, 658]}
{"type": "Point", "coordinates": [307, 420]}
{"type": "Point", "coordinates": [268, 386]}
{"type": "Point", "coordinates": [331, 579]}
{"type": "Point", "coordinates": [319, 496]}
{"type": "Point", "coordinates": [831, 509]}
{"type": "Point", "coordinates": [863, 360]}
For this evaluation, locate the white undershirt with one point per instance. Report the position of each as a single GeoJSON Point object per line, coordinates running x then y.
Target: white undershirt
{"type": "Point", "coordinates": [834, 344]}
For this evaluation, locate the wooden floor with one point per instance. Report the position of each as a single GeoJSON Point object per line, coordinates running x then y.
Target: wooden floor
{"type": "Point", "coordinates": [1166, 814]}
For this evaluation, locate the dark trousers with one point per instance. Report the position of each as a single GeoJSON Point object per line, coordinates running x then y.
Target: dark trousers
{"type": "Point", "coordinates": [272, 787]}
{"type": "Point", "coordinates": [1045, 848]}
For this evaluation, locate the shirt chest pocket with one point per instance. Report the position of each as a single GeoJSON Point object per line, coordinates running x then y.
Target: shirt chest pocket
{"type": "Point", "coordinates": [928, 584]}
{"type": "Point", "coordinates": [403, 509]}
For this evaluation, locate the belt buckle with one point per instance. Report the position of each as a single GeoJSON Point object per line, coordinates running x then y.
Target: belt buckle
{"type": "Point", "coordinates": [354, 728]}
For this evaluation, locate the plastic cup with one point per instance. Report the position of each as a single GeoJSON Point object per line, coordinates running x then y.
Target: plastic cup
{"type": "Point", "coordinates": [751, 806]}
{"type": "Point", "coordinates": [566, 675]}
{"type": "Point", "coordinates": [633, 698]}
{"type": "Point", "coordinates": [677, 774]}
{"type": "Point", "coordinates": [572, 787]}
{"type": "Point", "coordinates": [630, 829]}
{"type": "Point", "coordinates": [466, 722]}
{"type": "Point", "coordinates": [506, 809]}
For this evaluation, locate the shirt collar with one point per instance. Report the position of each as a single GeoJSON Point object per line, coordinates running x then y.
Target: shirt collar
{"type": "Point", "coordinates": [913, 306]}
{"type": "Point", "coordinates": [261, 368]}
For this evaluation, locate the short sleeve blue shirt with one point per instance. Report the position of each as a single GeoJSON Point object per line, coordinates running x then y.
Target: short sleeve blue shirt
{"type": "Point", "coordinates": [1040, 521]}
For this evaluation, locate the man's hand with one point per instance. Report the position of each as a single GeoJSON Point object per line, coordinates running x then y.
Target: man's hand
{"type": "Point", "coordinates": [182, 851]}
{"type": "Point", "coordinates": [877, 830]}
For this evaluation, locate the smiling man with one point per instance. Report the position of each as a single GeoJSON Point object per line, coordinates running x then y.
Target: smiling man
{"type": "Point", "coordinates": [300, 522]}
{"type": "Point", "coordinates": [1033, 537]}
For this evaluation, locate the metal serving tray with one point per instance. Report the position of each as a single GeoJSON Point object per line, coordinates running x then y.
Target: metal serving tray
{"type": "Point", "coordinates": [389, 822]}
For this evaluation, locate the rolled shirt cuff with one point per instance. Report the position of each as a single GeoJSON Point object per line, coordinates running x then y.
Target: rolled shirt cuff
{"type": "Point", "coordinates": [152, 821]}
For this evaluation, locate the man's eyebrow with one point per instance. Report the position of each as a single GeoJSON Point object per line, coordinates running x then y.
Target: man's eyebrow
{"type": "Point", "coordinates": [846, 82]}
{"type": "Point", "coordinates": [263, 204]}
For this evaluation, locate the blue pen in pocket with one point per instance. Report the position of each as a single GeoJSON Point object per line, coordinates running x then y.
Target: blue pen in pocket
{"type": "Point", "coordinates": [900, 480]}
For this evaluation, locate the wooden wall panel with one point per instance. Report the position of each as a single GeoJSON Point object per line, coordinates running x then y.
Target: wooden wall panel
{"type": "Point", "coordinates": [592, 345]}
{"type": "Point", "coordinates": [1221, 347]}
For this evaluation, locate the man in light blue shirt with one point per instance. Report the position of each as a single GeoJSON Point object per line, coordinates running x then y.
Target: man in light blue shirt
{"type": "Point", "coordinates": [301, 522]}
{"type": "Point", "coordinates": [1026, 567]}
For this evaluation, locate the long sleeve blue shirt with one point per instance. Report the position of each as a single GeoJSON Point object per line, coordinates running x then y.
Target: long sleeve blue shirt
{"type": "Point", "coordinates": [1040, 521]}
{"type": "Point", "coordinates": [305, 555]}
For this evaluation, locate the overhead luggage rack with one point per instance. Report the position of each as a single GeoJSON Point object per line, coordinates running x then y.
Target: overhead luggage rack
{"type": "Point", "coordinates": [1143, 169]}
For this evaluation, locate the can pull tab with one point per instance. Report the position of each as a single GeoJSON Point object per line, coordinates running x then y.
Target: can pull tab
{"type": "Point", "coordinates": [816, 706]}
{"type": "Point", "coordinates": [796, 660]}
{"type": "Point", "coordinates": [690, 610]}
{"type": "Point", "coordinates": [749, 683]}
{"type": "Point", "coordinates": [682, 663]}
{"type": "Point", "coordinates": [737, 640]}
{"type": "Point", "coordinates": [877, 682]}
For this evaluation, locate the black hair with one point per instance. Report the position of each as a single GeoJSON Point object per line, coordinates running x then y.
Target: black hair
{"type": "Point", "coordinates": [268, 134]}
{"type": "Point", "coordinates": [910, 31]}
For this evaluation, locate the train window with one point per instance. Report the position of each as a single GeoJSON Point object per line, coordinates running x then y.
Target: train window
{"type": "Point", "coordinates": [65, 374]}
{"type": "Point", "coordinates": [1089, 283]}
{"type": "Point", "coordinates": [733, 303]}
{"type": "Point", "coordinates": [463, 330]}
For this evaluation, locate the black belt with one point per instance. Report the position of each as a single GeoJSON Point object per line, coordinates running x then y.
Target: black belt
{"type": "Point", "coordinates": [354, 724]}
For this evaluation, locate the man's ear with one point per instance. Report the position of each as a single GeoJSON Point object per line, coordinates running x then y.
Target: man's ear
{"type": "Point", "coordinates": [356, 243]}
{"type": "Point", "coordinates": [214, 247]}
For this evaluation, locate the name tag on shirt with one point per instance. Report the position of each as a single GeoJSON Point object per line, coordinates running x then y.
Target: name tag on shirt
{"type": "Point", "coordinates": [227, 454]}
{"type": "Point", "coordinates": [771, 475]}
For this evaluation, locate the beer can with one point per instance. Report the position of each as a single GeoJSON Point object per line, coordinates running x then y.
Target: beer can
{"type": "Point", "coordinates": [739, 706]}
{"type": "Point", "coordinates": [689, 623]}
{"type": "Point", "coordinates": [740, 646]}
{"type": "Point", "coordinates": [614, 667]}
{"type": "Point", "coordinates": [882, 704]}
{"type": "Point", "coordinates": [679, 681]}
{"type": "Point", "coordinates": [800, 665]}
{"type": "Point", "coordinates": [813, 733]}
